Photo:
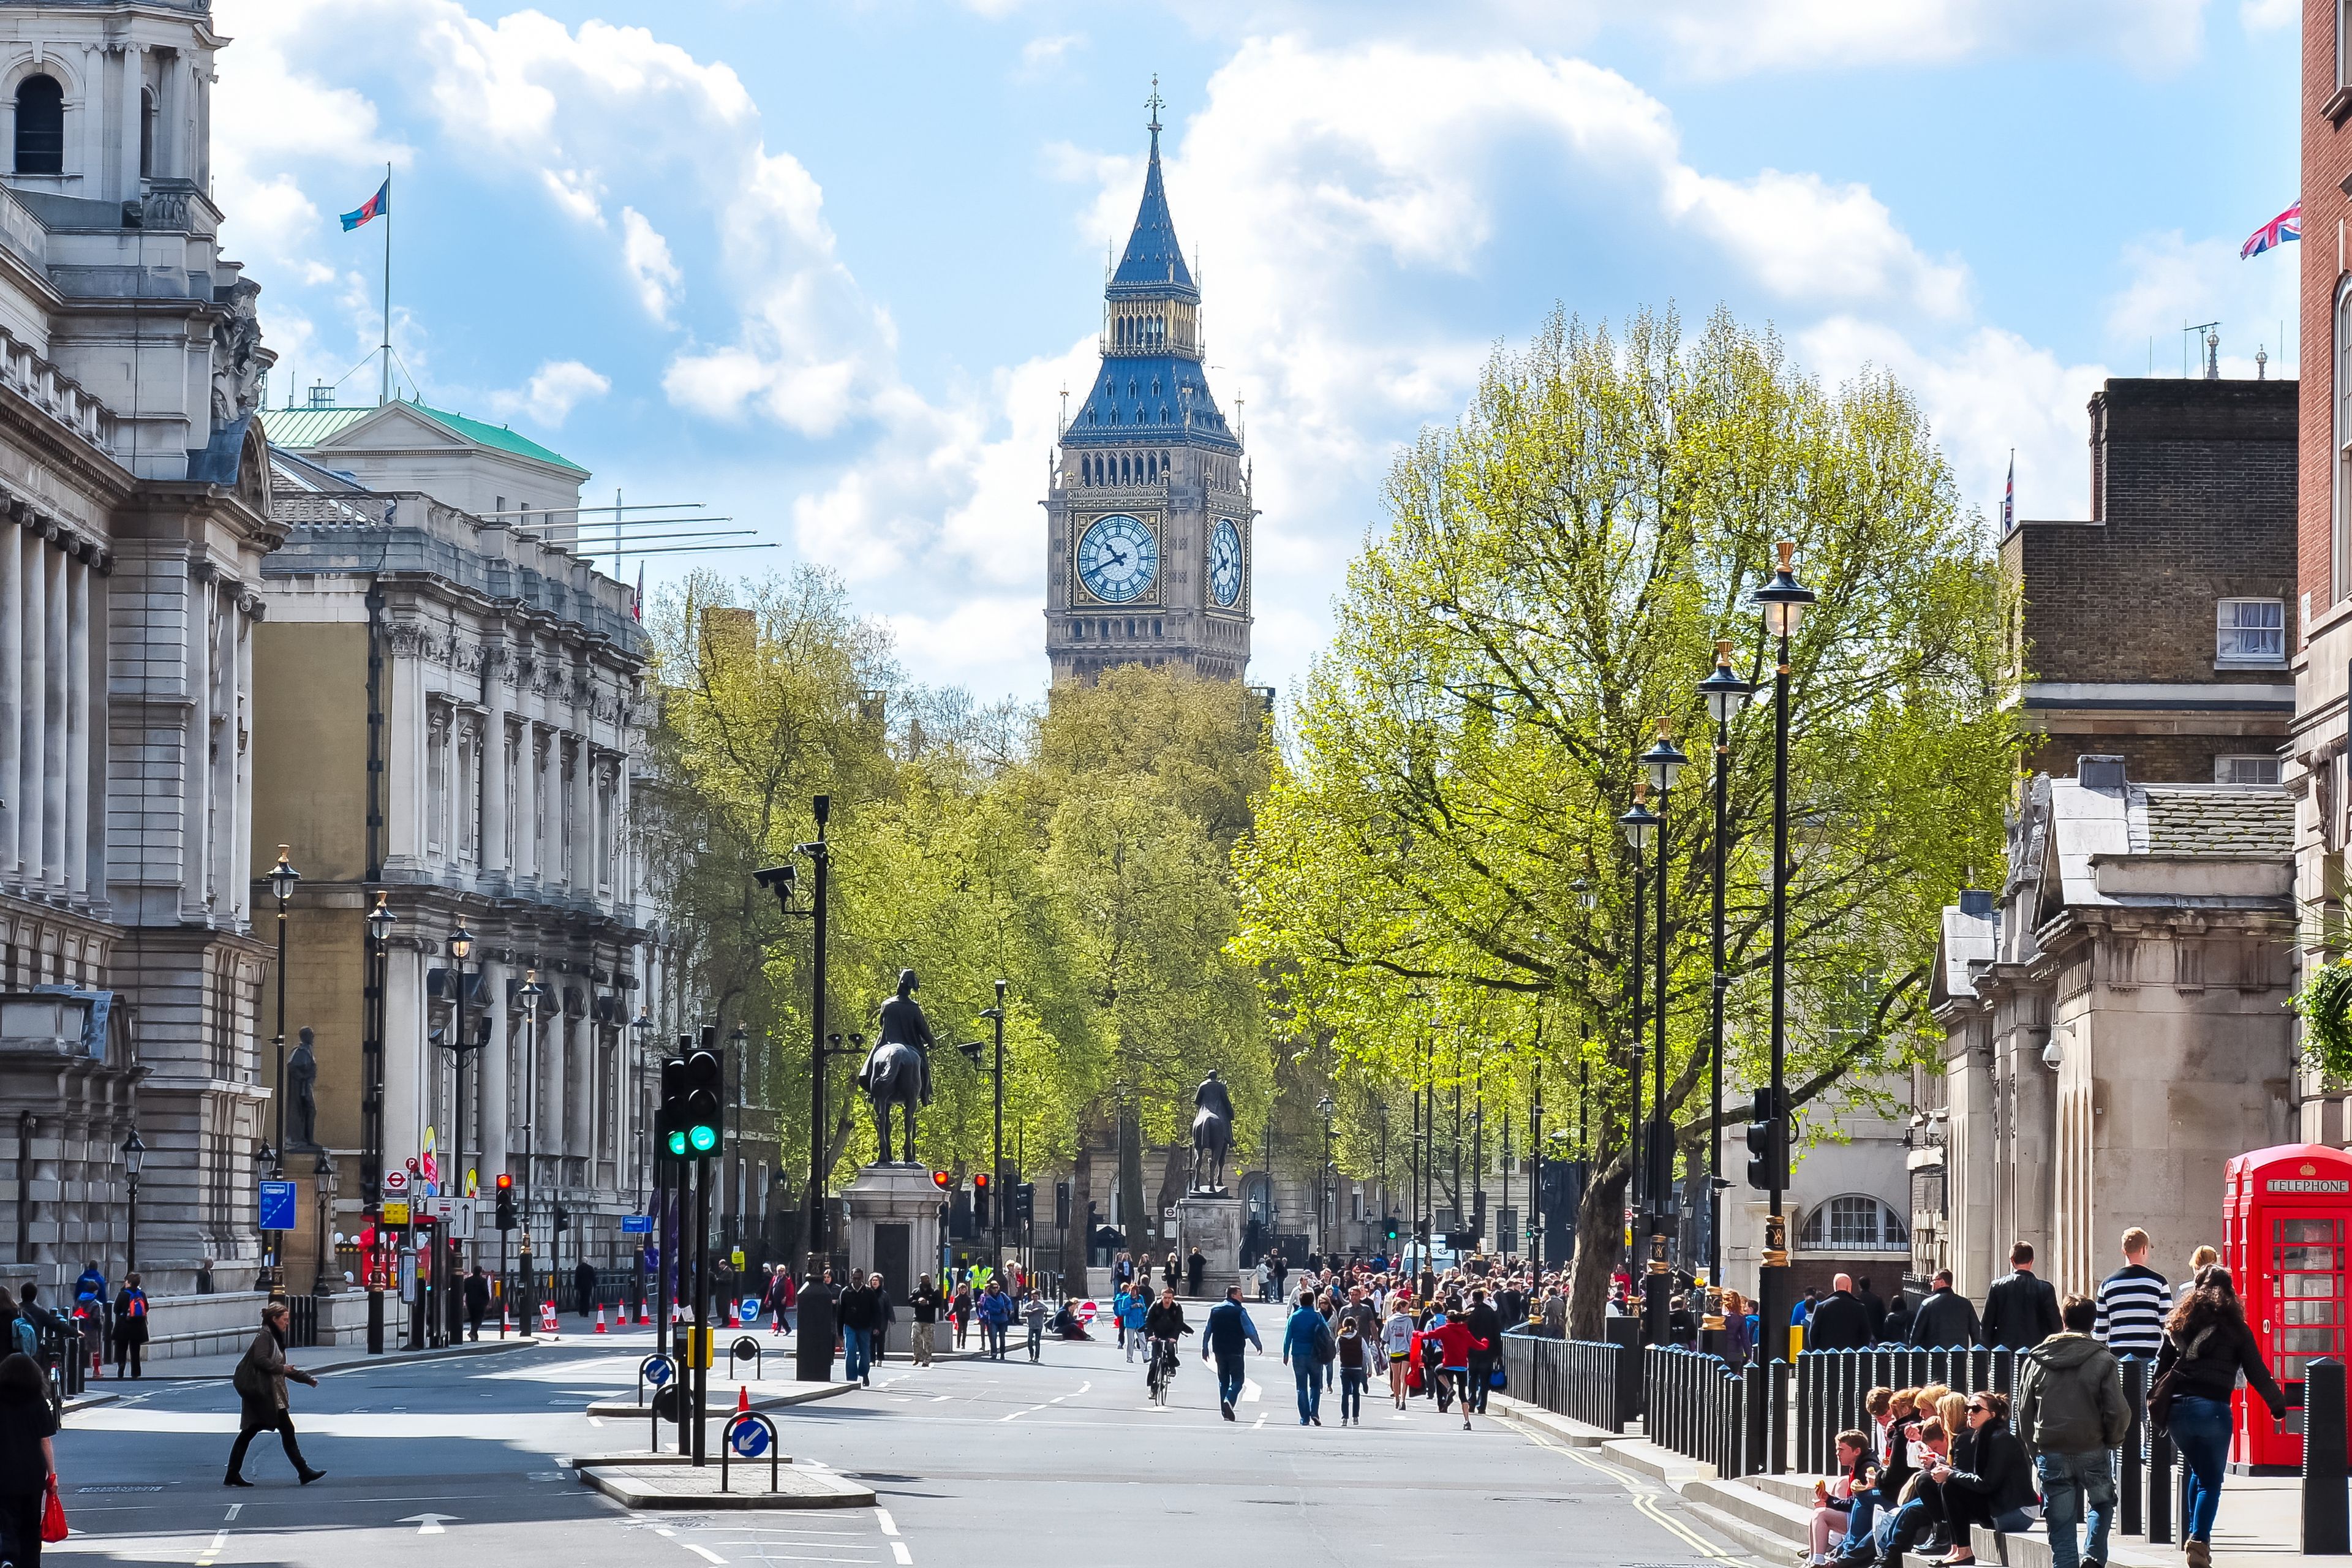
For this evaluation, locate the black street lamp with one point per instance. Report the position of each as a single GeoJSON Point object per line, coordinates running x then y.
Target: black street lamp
{"type": "Point", "coordinates": [732, 1196]}
{"type": "Point", "coordinates": [996, 1148]}
{"type": "Point", "coordinates": [323, 1177]}
{"type": "Point", "coordinates": [531, 995]}
{"type": "Point", "coordinates": [282, 877]}
{"type": "Point", "coordinates": [1326, 1202]}
{"type": "Point", "coordinates": [641, 1033]}
{"type": "Point", "coordinates": [1783, 600]}
{"type": "Point", "coordinates": [265, 1161]}
{"type": "Point", "coordinates": [1726, 695]}
{"type": "Point", "coordinates": [1640, 827]}
{"type": "Point", "coordinates": [134, 1155]}
{"type": "Point", "coordinates": [380, 921]}
{"type": "Point", "coordinates": [1662, 763]}
{"type": "Point", "coordinates": [445, 1250]}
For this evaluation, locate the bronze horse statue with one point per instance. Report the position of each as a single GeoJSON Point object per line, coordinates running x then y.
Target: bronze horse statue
{"type": "Point", "coordinates": [1212, 1133]}
{"type": "Point", "coordinates": [897, 1070]}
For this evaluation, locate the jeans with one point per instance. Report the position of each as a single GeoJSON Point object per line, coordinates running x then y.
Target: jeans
{"type": "Point", "coordinates": [1310, 1378]}
{"type": "Point", "coordinates": [1482, 1374]}
{"type": "Point", "coordinates": [858, 1348]}
{"type": "Point", "coordinates": [1229, 1380]}
{"type": "Point", "coordinates": [1857, 1525]}
{"type": "Point", "coordinates": [2201, 1430]}
{"type": "Point", "coordinates": [1351, 1394]}
{"type": "Point", "coordinates": [995, 1332]}
{"type": "Point", "coordinates": [1036, 1338]}
{"type": "Point", "coordinates": [2064, 1479]}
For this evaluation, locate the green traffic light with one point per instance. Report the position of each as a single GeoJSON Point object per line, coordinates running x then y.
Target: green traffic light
{"type": "Point", "coordinates": [677, 1143]}
{"type": "Point", "coordinates": [704, 1139]}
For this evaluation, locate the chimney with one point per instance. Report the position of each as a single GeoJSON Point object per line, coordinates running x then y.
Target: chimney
{"type": "Point", "coordinates": [2099, 772]}
{"type": "Point", "coordinates": [1977, 904]}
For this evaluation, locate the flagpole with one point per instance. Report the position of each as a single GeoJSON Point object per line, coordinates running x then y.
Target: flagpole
{"type": "Point", "coordinates": [385, 395]}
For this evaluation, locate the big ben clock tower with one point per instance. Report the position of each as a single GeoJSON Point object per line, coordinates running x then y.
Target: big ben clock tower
{"type": "Point", "coordinates": [1149, 523]}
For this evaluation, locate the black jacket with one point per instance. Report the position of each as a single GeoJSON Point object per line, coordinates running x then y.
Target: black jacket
{"type": "Point", "coordinates": [1946, 1320]}
{"type": "Point", "coordinates": [2223, 1350]}
{"type": "Point", "coordinates": [1998, 1469]}
{"type": "Point", "coordinates": [1485, 1323]}
{"type": "Point", "coordinates": [856, 1309]}
{"type": "Point", "coordinates": [1165, 1321]}
{"type": "Point", "coordinates": [1840, 1323]}
{"type": "Point", "coordinates": [2020, 1311]}
{"type": "Point", "coordinates": [1877, 1311]}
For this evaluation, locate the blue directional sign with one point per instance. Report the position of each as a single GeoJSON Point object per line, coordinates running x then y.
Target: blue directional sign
{"type": "Point", "coordinates": [636, 1224]}
{"type": "Point", "coordinates": [657, 1373]}
{"type": "Point", "coordinates": [277, 1205]}
{"type": "Point", "coordinates": [749, 1438]}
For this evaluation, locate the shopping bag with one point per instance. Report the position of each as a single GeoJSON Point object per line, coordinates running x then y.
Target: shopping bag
{"type": "Point", "coordinates": [53, 1517]}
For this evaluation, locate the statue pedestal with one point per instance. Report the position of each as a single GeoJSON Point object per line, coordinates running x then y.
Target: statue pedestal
{"type": "Point", "coordinates": [1211, 1222]}
{"type": "Point", "coordinates": [895, 1214]}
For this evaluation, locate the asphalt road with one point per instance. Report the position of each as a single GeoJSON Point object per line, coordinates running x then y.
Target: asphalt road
{"type": "Point", "coordinates": [461, 1461]}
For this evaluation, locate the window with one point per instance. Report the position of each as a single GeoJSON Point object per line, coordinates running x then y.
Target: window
{"type": "Point", "coordinates": [1852, 1222]}
{"type": "Point", "coordinates": [146, 135]}
{"type": "Point", "coordinates": [2246, 770]}
{"type": "Point", "coordinates": [2251, 631]}
{"type": "Point", "coordinates": [40, 126]}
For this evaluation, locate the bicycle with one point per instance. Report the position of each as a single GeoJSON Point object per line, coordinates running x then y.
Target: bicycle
{"type": "Point", "coordinates": [1162, 1371]}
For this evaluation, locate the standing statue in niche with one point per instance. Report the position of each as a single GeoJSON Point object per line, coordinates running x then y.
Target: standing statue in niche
{"type": "Point", "coordinates": [1213, 1133]}
{"type": "Point", "coordinates": [897, 1070]}
{"type": "Point", "coordinates": [302, 1096]}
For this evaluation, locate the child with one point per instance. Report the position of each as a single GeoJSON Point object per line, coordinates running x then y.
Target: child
{"type": "Point", "coordinates": [1834, 1500]}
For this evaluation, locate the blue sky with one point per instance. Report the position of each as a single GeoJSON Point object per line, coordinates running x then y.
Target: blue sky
{"type": "Point", "coordinates": [826, 266]}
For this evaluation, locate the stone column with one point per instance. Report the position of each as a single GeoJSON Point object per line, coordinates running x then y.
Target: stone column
{"type": "Point", "coordinates": [551, 813]}
{"type": "Point", "coordinates": [55, 673]}
{"type": "Point", "coordinates": [130, 78]}
{"type": "Point", "coordinates": [33, 677]}
{"type": "Point", "coordinates": [490, 1075]}
{"type": "Point", "coordinates": [497, 869]}
{"type": "Point", "coordinates": [76, 868]}
{"type": "Point", "coordinates": [170, 107]}
{"type": "Point", "coordinates": [12, 539]}
{"type": "Point", "coordinates": [583, 817]}
{"type": "Point", "coordinates": [220, 735]}
{"type": "Point", "coordinates": [404, 1044]}
{"type": "Point", "coordinates": [195, 774]}
{"type": "Point", "coordinates": [241, 787]}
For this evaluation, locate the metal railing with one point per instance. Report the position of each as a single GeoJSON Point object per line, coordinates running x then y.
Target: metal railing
{"type": "Point", "coordinates": [1705, 1408]}
{"type": "Point", "coordinates": [1584, 1380]}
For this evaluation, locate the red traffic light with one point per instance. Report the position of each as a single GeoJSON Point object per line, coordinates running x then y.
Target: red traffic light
{"type": "Point", "coordinates": [940, 1179]}
{"type": "Point", "coordinates": [506, 1182]}
{"type": "Point", "coordinates": [980, 1182]}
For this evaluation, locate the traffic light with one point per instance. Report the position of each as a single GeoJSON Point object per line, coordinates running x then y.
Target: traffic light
{"type": "Point", "coordinates": [1388, 1227]}
{"type": "Point", "coordinates": [1420, 1231]}
{"type": "Point", "coordinates": [942, 1180]}
{"type": "Point", "coordinates": [980, 1199]}
{"type": "Point", "coordinates": [669, 1126]}
{"type": "Point", "coordinates": [505, 1202]}
{"type": "Point", "coordinates": [1025, 1203]}
{"type": "Point", "coordinates": [1768, 1145]}
{"type": "Point", "coordinates": [562, 1219]}
{"type": "Point", "coordinates": [702, 1121]}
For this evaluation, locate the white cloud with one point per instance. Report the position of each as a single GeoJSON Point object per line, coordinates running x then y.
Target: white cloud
{"type": "Point", "coordinates": [647, 255]}
{"type": "Point", "coordinates": [1046, 51]}
{"type": "Point", "coordinates": [2268, 15]}
{"type": "Point", "coordinates": [1730, 38]}
{"type": "Point", "coordinates": [2170, 282]}
{"type": "Point", "coordinates": [556, 388]}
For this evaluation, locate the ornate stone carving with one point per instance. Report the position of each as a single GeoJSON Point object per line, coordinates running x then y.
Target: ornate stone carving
{"type": "Point", "coordinates": [238, 364]}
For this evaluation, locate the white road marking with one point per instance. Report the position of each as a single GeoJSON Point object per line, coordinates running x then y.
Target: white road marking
{"type": "Point", "coordinates": [882, 1517]}
{"type": "Point", "coordinates": [427, 1523]}
{"type": "Point", "coordinates": [704, 1553]}
{"type": "Point", "coordinates": [234, 1509]}
{"type": "Point", "coordinates": [1250, 1391]}
{"type": "Point", "coordinates": [898, 1549]}
{"type": "Point", "coordinates": [595, 1420]}
{"type": "Point", "coordinates": [1259, 1422]}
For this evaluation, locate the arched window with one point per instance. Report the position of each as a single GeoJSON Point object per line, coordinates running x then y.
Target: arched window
{"type": "Point", "coordinates": [1852, 1222]}
{"type": "Point", "coordinates": [146, 135]}
{"type": "Point", "coordinates": [2340, 551]}
{"type": "Point", "coordinates": [40, 126]}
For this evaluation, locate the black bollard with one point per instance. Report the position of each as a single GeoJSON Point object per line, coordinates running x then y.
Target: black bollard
{"type": "Point", "coordinates": [2160, 1487]}
{"type": "Point", "coordinates": [2326, 1528]}
{"type": "Point", "coordinates": [1776, 1420]}
{"type": "Point", "coordinates": [2127, 1514]}
{"type": "Point", "coordinates": [1753, 1405]}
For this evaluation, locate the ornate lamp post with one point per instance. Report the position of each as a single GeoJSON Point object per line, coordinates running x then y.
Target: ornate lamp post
{"type": "Point", "coordinates": [134, 1155]}
{"type": "Point", "coordinates": [1327, 1187]}
{"type": "Point", "coordinates": [733, 1196]}
{"type": "Point", "coordinates": [1725, 694]}
{"type": "Point", "coordinates": [380, 921]}
{"type": "Point", "coordinates": [1662, 763]}
{"type": "Point", "coordinates": [1640, 827]}
{"type": "Point", "coordinates": [1783, 600]}
{"type": "Point", "coordinates": [282, 877]}
{"type": "Point", "coordinates": [323, 1177]}
{"type": "Point", "coordinates": [531, 994]}
{"type": "Point", "coordinates": [446, 1251]}
{"type": "Point", "coordinates": [265, 1161]}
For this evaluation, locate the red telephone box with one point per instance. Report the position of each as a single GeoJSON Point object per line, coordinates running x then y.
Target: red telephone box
{"type": "Point", "coordinates": [2286, 1219]}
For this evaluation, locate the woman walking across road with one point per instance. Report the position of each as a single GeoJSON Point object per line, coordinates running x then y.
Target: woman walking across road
{"type": "Point", "coordinates": [2206, 1345]}
{"type": "Point", "coordinates": [260, 1383]}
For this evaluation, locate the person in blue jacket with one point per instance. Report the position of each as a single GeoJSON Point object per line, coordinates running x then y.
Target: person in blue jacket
{"type": "Point", "coordinates": [995, 1317]}
{"type": "Point", "coordinates": [1136, 1306]}
{"type": "Point", "coordinates": [1302, 1340]}
{"type": "Point", "coordinates": [1229, 1329]}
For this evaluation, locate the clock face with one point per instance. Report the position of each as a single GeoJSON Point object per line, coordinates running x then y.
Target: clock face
{"type": "Point", "coordinates": [1225, 563]}
{"type": "Point", "coordinates": [1118, 560]}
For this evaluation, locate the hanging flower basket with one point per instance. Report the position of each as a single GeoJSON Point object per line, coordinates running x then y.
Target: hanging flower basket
{"type": "Point", "coordinates": [2325, 1004]}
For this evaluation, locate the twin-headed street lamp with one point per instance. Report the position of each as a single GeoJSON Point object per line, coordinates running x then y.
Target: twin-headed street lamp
{"type": "Point", "coordinates": [1662, 764]}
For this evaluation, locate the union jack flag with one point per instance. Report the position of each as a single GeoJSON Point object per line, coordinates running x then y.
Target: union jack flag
{"type": "Point", "coordinates": [2287, 226]}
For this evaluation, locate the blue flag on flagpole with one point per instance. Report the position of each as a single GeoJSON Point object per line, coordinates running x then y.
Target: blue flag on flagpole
{"type": "Point", "coordinates": [374, 207]}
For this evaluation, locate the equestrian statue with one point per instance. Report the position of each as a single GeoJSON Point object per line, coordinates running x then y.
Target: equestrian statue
{"type": "Point", "coordinates": [897, 1070]}
{"type": "Point", "coordinates": [1213, 1133]}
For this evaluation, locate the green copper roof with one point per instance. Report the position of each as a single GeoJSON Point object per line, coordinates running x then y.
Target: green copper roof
{"type": "Point", "coordinates": [300, 429]}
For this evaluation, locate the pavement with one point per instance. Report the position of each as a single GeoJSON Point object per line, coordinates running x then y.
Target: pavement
{"type": "Point", "coordinates": [973, 1460]}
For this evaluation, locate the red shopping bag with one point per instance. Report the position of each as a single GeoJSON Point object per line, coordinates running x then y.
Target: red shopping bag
{"type": "Point", "coordinates": [53, 1517]}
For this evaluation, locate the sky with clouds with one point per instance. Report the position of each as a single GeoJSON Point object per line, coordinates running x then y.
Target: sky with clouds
{"type": "Point", "coordinates": [827, 265]}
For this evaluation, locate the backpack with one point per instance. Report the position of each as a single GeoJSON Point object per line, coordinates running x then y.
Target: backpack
{"type": "Point", "coordinates": [1327, 1344]}
{"type": "Point", "coordinates": [26, 1338]}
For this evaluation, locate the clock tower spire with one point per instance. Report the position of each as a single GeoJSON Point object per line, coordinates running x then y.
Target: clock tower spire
{"type": "Point", "coordinates": [1148, 523]}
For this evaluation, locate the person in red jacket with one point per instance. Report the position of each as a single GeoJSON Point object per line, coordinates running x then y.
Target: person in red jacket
{"type": "Point", "coordinates": [1456, 1342]}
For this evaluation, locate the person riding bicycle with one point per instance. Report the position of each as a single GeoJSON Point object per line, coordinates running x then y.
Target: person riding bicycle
{"type": "Point", "coordinates": [1163, 1326]}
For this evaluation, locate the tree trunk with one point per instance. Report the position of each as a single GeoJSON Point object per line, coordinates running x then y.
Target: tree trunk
{"type": "Point", "coordinates": [1600, 1237]}
{"type": "Point", "coordinates": [1133, 1208]}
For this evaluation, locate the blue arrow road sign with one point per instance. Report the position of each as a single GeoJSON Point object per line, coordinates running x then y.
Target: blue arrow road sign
{"type": "Point", "coordinates": [636, 1224]}
{"type": "Point", "coordinates": [750, 1439]}
{"type": "Point", "coordinates": [277, 1205]}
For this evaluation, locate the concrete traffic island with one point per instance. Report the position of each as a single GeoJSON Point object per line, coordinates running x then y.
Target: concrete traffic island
{"type": "Point", "coordinates": [764, 1397]}
{"type": "Point", "coordinates": [638, 1481]}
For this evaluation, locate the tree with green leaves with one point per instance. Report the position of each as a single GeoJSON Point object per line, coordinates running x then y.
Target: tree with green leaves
{"type": "Point", "coordinates": [1441, 861]}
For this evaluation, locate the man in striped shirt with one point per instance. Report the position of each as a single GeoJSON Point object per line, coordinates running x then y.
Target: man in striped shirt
{"type": "Point", "coordinates": [2133, 1302]}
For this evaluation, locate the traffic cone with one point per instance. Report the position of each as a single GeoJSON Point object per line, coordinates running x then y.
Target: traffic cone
{"type": "Point", "coordinates": [599, 1317]}
{"type": "Point", "coordinates": [742, 1398]}
{"type": "Point", "coordinates": [644, 1315]}
{"type": "Point", "coordinates": [775, 1323]}
{"type": "Point", "coordinates": [734, 1321]}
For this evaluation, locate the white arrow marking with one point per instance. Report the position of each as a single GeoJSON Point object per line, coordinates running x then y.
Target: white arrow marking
{"type": "Point", "coordinates": [427, 1523]}
{"type": "Point", "coordinates": [1250, 1391]}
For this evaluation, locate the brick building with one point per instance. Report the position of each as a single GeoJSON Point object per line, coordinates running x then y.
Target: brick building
{"type": "Point", "coordinates": [2155, 629]}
